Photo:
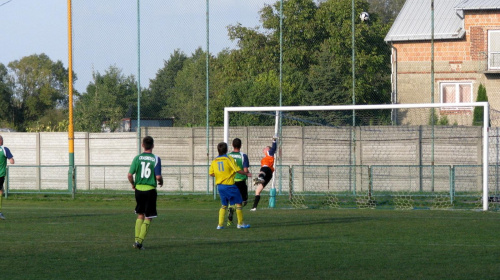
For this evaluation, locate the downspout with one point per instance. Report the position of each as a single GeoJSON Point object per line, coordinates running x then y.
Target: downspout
{"type": "Point", "coordinates": [394, 82]}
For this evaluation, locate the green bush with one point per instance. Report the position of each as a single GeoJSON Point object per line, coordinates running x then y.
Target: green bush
{"type": "Point", "coordinates": [479, 111]}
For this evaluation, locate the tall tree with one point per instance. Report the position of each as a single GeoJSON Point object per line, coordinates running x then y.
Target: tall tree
{"type": "Point", "coordinates": [262, 90]}
{"type": "Point", "coordinates": [256, 53]}
{"type": "Point", "coordinates": [106, 101]}
{"type": "Point", "coordinates": [187, 103]}
{"type": "Point", "coordinates": [39, 86]}
{"type": "Point", "coordinates": [302, 34]}
{"type": "Point", "coordinates": [316, 64]}
{"type": "Point", "coordinates": [331, 78]}
{"type": "Point", "coordinates": [387, 10]}
{"type": "Point", "coordinates": [162, 88]}
{"type": "Point", "coordinates": [253, 71]}
{"type": "Point", "coordinates": [6, 117]}
{"type": "Point", "coordinates": [478, 114]}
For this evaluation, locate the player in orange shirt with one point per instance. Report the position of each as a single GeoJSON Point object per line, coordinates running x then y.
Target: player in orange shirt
{"type": "Point", "coordinates": [266, 172]}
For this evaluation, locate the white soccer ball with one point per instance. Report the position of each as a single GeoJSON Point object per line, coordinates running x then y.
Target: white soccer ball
{"type": "Point", "coordinates": [364, 16]}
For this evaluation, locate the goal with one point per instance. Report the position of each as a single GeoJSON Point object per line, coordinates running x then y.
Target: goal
{"type": "Point", "coordinates": [398, 156]}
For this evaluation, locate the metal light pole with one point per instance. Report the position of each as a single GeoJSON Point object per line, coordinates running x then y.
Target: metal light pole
{"type": "Point", "coordinates": [138, 78]}
{"type": "Point", "coordinates": [353, 94]}
{"type": "Point", "coordinates": [71, 135]}
{"type": "Point", "coordinates": [353, 63]}
{"type": "Point", "coordinates": [432, 94]}
{"type": "Point", "coordinates": [206, 97]}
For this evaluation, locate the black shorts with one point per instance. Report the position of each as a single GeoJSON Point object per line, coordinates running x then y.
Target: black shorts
{"type": "Point", "coordinates": [268, 175]}
{"type": "Point", "coordinates": [146, 203]}
{"type": "Point", "coordinates": [2, 180]}
{"type": "Point", "coordinates": [242, 186]}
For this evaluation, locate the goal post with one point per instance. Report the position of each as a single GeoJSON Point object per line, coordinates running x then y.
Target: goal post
{"type": "Point", "coordinates": [450, 107]}
{"type": "Point", "coordinates": [272, 191]}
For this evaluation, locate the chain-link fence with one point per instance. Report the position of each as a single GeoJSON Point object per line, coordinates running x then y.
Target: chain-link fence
{"type": "Point", "coordinates": [385, 166]}
{"type": "Point", "coordinates": [153, 64]}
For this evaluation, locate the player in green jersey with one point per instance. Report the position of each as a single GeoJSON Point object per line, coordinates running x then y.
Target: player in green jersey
{"type": "Point", "coordinates": [240, 180]}
{"type": "Point", "coordinates": [147, 170]}
{"type": "Point", "coordinates": [4, 156]}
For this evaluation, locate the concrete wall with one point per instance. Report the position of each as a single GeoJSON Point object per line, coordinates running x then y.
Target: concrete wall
{"type": "Point", "coordinates": [102, 159]}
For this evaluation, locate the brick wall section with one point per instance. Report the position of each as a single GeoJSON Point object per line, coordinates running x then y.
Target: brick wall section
{"type": "Point", "coordinates": [443, 51]}
{"type": "Point", "coordinates": [477, 25]}
{"type": "Point", "coordinates": [472, 47]}
{"type": "Point", "coordinates": [478, 46]}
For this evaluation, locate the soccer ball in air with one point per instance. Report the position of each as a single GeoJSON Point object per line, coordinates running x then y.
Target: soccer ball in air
{"type": "Point", "coordinates": [364, 16]}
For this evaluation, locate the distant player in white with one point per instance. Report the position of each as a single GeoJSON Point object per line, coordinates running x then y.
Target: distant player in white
{"type": "Point", "coordinates": [4, 156]}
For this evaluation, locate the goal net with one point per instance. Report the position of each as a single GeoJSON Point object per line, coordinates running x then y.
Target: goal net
{"type": "Point", "coordinates": [397, 156]}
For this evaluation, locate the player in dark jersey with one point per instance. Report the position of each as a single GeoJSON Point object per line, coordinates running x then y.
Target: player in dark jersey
{"type": "Point", "coordinates": [147, 170]}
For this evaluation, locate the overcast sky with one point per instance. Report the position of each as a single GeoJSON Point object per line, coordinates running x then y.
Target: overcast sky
{"type": "Point", "coordinates": [105, 31]}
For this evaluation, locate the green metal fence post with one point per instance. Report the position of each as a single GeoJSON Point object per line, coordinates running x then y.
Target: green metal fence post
{"type": "Point", "coordinates": [73, 191]}
{"type": "Point", "coordinates": [290, 183]}
{"type": "Point", "coordinates": [7, 185]}
{"type": "Point", "coordinates": [452, 183]}
{"type": "Point", "coordinates": [370, 182]}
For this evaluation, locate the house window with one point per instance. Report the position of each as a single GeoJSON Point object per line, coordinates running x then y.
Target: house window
{"type": "Point", "coordinates": [456, 92]}
{"type": "Point", "coordinates": [494, 49]}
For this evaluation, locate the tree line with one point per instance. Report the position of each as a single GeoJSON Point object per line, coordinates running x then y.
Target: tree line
{"type": "Point", "coordinates": [316, 70]}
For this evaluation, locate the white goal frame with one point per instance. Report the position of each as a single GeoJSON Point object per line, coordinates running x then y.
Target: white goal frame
{"type": "Point", "coordinates": [485, 106]}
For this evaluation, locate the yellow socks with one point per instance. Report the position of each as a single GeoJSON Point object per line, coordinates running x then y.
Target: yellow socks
{"type": "Point", "coordinates": [141, 229]}
{"type": "Point", "coordinates": [144, 230]}
{"type": "Point", "coordinates": [138, 225]}
{"type": "Point", "coordinates": [222, 215]}
{"type": "Point", "coordinates": [239, 214]}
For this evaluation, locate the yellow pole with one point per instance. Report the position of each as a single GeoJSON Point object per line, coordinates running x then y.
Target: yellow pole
{"type": "Point", "coordinates": [71, 136]}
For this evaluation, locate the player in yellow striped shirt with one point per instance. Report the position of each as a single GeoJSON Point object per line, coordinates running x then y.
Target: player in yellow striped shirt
{"type": "Point", "coordinates": [224, 169]}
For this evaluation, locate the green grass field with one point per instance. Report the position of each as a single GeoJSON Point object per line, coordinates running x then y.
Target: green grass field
{"type": "Point", "coordinates": [55, 237]}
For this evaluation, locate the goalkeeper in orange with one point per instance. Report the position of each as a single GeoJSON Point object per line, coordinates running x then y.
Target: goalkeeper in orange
{"type": "Point", "coordinates": [266, 171]}
{"type": "Point", "coordinates": [224, 169]}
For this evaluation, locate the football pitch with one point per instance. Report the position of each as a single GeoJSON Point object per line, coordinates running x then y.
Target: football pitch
{"type": "Point", "coordinates": [56, 237]}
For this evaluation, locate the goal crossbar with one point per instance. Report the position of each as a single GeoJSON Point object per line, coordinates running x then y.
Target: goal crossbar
{"type": "Point", "coordinates": [277, 109]}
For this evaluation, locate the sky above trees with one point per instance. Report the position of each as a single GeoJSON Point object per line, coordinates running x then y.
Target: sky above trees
{"type": "Point", "coordinates": [316, 70]}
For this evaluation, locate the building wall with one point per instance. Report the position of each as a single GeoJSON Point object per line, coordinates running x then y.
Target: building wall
{"type": "Point", "coordinates": [472, 47]}
{"type": "Point", "coordinates": [454, 60]}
